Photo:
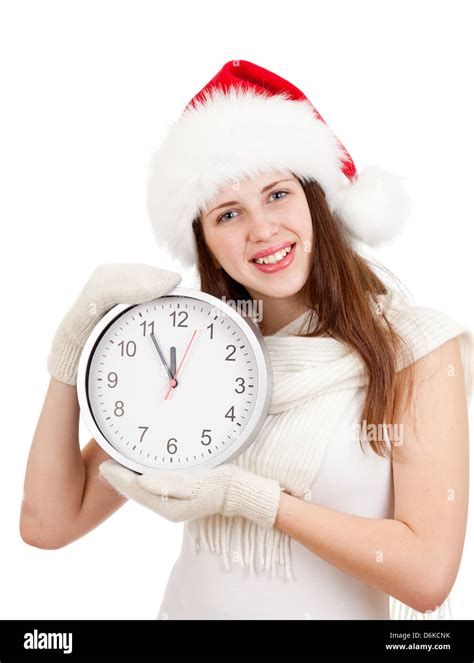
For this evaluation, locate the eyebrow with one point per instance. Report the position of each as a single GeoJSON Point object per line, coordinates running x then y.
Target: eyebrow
{"type": "Point", "coordinates": [236, 202]}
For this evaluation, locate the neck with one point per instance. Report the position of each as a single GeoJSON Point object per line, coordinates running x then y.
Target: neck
{"type": "Point", "coordinates": [277, 313]}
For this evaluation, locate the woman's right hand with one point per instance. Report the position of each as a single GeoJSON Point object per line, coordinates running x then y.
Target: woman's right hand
{"type": "Point", "coordinates": [108, 285]}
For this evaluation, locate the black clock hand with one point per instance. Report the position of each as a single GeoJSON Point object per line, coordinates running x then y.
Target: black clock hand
{"type": "Point", "coordinates": [173, 364]}
{"type": "Point", "coordinates": [155, 342]}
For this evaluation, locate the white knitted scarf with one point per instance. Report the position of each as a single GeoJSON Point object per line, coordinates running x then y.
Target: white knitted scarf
{"type": "Point", "coordinates": [310, 376]}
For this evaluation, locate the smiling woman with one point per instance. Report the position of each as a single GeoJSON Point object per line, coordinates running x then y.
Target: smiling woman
{"type": "Point", "coordinates": [315, 519]}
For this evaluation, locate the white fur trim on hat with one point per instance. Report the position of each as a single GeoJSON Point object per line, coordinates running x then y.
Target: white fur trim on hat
{"type": "Point", "coordinates": [375, 207]}
{"type": "Point", "coordinates": [239, 134]}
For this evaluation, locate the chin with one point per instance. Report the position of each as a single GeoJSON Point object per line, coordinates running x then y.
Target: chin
{"type": "Point", "coordinates": [281, 290]}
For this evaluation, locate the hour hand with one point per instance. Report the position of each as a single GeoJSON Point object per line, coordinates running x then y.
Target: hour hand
{"type": "Point", "coordinates": [173, 365]}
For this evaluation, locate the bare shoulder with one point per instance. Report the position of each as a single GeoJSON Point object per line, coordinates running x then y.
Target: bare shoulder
{"type": "Point", "coordinates": [437, 376]}
{"type": "Point", "coordinates": [442, 362]}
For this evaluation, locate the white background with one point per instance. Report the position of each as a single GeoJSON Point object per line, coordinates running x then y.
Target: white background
{"type": "Point", "coordinates": [88, 89]}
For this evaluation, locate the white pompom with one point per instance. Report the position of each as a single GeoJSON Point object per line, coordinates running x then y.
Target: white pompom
{"type": "Point", "coordinates": [374, 207]}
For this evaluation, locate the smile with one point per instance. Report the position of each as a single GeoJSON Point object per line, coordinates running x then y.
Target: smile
{"type": "Point", "coordinates": [276, 261]}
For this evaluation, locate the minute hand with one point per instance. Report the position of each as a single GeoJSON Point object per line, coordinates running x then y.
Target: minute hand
{"type": "Point", "coordinates": [155, 342]}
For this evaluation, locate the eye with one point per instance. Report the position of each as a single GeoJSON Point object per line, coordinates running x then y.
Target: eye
{"type": "Point", "coordinates": [279, 191]}
{"type": "Point", "coordinates": [222, 216]}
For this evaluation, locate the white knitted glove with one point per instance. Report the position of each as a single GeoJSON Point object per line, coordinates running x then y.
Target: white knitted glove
{"type": "Point", "coordinates": [108, 285]}
{"type": "Point", "coordinates": [177, 496]}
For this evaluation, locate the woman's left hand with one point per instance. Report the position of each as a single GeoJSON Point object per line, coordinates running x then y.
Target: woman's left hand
{"type": "Point", "coordinates": [227, 489]}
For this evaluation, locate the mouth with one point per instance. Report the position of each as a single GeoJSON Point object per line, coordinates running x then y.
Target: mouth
{"type": "Point", "coordinates": [276, 262]}
{"type": "Point", "coordinates": [276, 248]}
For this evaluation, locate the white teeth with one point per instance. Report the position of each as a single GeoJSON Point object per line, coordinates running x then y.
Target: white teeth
{"type": "Point", "coordinates": [274, 257]}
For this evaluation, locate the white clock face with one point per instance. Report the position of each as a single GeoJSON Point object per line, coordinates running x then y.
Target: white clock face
{"type": "Point", "coordinates": [214, 409]}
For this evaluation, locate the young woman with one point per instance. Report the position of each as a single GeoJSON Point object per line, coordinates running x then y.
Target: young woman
{"type": "Point", "coordinates": [356, 488]}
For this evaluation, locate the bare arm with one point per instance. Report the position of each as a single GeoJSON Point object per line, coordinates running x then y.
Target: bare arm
{"type": "Point", "coordinates": [415, 556]}
{"type": "Point", "coordinates": [64, 498]}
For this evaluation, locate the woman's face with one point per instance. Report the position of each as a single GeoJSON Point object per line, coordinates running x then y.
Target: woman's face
{"type": "Point", "coordinates": [251, 215]}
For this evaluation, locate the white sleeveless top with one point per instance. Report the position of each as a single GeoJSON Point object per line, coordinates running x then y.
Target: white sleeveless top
{"type": "Point", "coordinates": [349, 480]}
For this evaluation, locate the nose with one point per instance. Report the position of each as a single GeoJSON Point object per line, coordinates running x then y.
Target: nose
{"type": "Point", "coordinates": [261, 226]}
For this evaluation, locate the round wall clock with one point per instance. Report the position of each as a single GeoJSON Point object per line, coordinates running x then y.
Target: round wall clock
{"type": "Point", "coordinates": [181, 382]}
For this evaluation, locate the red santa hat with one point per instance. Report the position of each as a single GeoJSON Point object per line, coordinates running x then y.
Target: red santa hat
{"type": "Point", "coordinates": [249, 121]}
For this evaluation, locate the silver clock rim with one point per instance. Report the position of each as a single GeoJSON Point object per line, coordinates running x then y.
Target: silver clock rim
{"type": "Point", "coordinates": [262, 404]}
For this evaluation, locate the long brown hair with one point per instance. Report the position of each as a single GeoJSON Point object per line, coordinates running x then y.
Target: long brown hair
{"type": "Point", "coordinates": [338, 292]}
